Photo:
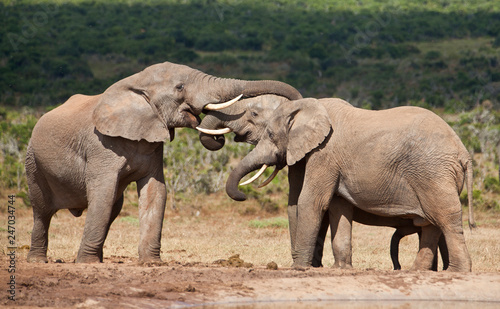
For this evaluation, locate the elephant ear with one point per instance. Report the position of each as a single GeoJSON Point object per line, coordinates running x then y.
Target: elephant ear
{"type": "Point", "coordinates": [309, 125]}
{"type": "Point", "coordinates": [124, 111]}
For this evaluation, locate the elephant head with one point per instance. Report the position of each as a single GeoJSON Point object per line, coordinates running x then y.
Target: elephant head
{"type": "Point", "coordinates": [150, 104]}
{"type": "Point", "coordinates": [296, 129]}
{"type": "Point", "coordinates": [247, 119]}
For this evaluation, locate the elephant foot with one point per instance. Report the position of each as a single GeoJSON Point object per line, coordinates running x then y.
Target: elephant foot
{"type": "Point", "coordinates": [342, 265]}
{"type": "Point", "coordinates": [89, 259]}
{"type": "Point", "coordinates": [150, 260]}
{"type": "Point", "coordinates": [464, 267]}
{"type": "Point", "coordinates": [34, 257]}
{"type": "Point", "coordinates": [300, 266]}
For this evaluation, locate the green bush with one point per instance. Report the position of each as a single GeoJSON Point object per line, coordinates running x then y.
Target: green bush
{"type": "Point", "coordinates": [277, 222]}
{"type": "Point", "coordinates": [492, 184]}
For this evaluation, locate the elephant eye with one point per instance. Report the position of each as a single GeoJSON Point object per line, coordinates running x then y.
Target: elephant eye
{"type": "Point", "coordinates": [270, 134]}
{"type": "Point", "coordinates": [254, 114]}
{"type": "Point", "coordinates": [179, 87]}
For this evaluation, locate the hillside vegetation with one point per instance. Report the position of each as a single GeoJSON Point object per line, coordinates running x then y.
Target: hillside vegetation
{"type": "Point", "coordinates": [442, 55]}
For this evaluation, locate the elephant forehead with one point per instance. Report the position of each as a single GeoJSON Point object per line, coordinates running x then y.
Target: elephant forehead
{"type": "Point", "coordinates": [265, 102]}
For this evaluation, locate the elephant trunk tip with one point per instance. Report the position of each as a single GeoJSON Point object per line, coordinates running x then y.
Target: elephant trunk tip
{"type": "Point", "coordinates": [235, 194]}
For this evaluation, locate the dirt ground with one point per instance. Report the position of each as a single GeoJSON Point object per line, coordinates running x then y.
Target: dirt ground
{"type": "Point", "coordinates": [122, 283]}
{"type": "Point", "coordinates": [197, 246]}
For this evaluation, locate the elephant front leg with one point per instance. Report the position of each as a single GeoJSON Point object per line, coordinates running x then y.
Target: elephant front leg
{"type": "Point", "coordinates": [101, 212]}
{"type": "Point", "coordinates": [152, 200]}
{"type": "Point", "coordinates": [308, 225]}
{"type": "Point", "coordinates": [341, 213]}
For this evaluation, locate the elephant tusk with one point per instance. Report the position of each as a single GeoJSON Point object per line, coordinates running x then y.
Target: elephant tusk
{"type": "Point", "coordinates": [270, 178]}
{"type": "Point", "coordinates": [262, 169]}
{"type": "Point", "coordinates": [214, 132]}
{"type": "Point", "coordinates": [214, 107]}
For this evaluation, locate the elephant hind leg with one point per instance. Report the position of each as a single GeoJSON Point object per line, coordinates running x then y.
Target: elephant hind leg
{"type": "Point", "coordinates": [448, 217]}
{"type": "Point", "coordinates": [427, 248]}
{"type": "Point", "coordinates": [43, 211]}
{"type": "Point", "coordinates": [456, 253]}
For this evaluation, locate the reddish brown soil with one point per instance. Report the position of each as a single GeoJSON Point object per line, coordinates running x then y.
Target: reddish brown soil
{"type": "Point", "coordinates": [122, 283]}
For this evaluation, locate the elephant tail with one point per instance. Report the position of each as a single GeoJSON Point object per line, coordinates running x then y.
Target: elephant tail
{"type": "Point", "coordinates": [472, 222]}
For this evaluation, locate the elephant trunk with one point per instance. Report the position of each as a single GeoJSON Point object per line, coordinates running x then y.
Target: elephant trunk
{"type": "Point", "coordinates": [231, 88]}
{"type": "Point", "coordinates": [212, 121]}
{"type": "Point", "coordinates": [246, 166]}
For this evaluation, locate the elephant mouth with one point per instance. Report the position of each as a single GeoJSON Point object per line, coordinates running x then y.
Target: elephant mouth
{"type": "Point", "coordinates": [240, 138]}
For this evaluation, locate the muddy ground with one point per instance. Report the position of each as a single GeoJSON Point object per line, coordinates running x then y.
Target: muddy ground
{"type": "Point", "coordinates": [121, 282]}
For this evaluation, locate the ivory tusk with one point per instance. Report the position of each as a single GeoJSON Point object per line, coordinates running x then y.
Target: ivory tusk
{"type": "Point", "coordinates": [270, 178]}
{"type": "Point", "coordinates": [214, 132]}
{"type": "Point", "coordinates": [215, 107]}
{"type": "Point", "coordinates": [262, 169]}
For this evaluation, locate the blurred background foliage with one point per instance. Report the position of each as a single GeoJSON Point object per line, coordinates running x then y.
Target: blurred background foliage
{"type": "Point", "coordinates": [442, 55]}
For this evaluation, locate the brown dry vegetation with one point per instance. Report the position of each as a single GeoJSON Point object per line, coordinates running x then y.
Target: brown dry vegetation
{"type": "Point", "coordinates": [209, 228]}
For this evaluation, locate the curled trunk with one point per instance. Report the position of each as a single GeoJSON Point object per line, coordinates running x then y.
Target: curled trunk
{"type": "Point", "coordinates": [246, 166]}
{"type": "Point", "coordinates": [213, 142]}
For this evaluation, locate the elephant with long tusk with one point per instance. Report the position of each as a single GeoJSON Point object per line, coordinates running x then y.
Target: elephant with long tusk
{"type": "Point", "coordinates": [84, 153]}
{"type": "Point", "coordinates": [404, 163]}
{"type": "Point", "coordinates": [247, 120]}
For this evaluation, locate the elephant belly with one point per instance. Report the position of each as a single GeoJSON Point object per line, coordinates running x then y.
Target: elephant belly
{"type": "Point", "coordinates": [67, 192]}
{"type": "Point", "coordinates": [382, 200]}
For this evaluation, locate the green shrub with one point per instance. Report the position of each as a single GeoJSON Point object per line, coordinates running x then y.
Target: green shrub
{"type": "Point", "coordinates": [492, 184]}
{"type": "Point", "coordinates": [277, 222]}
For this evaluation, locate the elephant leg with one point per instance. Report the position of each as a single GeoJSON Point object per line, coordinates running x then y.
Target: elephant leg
{"type": "Point", "coordinates": [435, 259]}
{"type": "Point", "coordinates": [320, 241]}
{"type": "Point", "coordinates": [40, 235]}
{"type": "Point", "coordinates": [341, 213]}
{"type": "Point", "coordinates": [117, 207]}
{"type": "Point", "coordinates": [292, 226]}
{"type": "Point", "coordinates": [101, 198]}
{"type": "Point", "coordinates": [152, 200]}
{"type": "Point", "coordinates": [396, 238]}
{"type": "Point", "coordinates": [448, 217]}
{"type": "Point", "coordinates": [312, 205]}
{"type": "Point", "coordinates": [39, 193]}
{"type": "Point", "coordinates": [295, 180]}
{"type": "Point", "coordinates": [457, 253]}
{"type": "Point", "coordinates": [427, 248]}
{"type": "Point", "coordinates": [443, 249]}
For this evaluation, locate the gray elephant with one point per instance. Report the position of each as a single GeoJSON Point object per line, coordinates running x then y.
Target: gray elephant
{"type": "Point", "coordinates": [404, 162]}
{"type": "Point", "coordinates": [248, 119]}
{"type": "Point", "coordinates": [85, 152]}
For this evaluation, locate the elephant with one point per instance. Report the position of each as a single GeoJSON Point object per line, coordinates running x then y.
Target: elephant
{"type": "Point", "coordinates": [85, 152]}
{"type": "Point", "coordinates": [340, 209]}
{"type": "Point", "coordinates": [403, 162]}
{"type": "Point", "coordinates": [248, 119]}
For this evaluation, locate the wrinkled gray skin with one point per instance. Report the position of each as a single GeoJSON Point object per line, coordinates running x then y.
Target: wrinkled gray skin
{"type": "Point", "coordinates": [85, 152]}
{"type": "Point", "coordinates": [248, 119]}
{"type": "Point", "coordinates": [340, 215]}
{"type": "Point", "coordinates": [404, 162]}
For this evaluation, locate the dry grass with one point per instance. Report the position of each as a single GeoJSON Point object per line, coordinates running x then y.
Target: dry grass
{"type": "Point", "coordinates": [207, 228]}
